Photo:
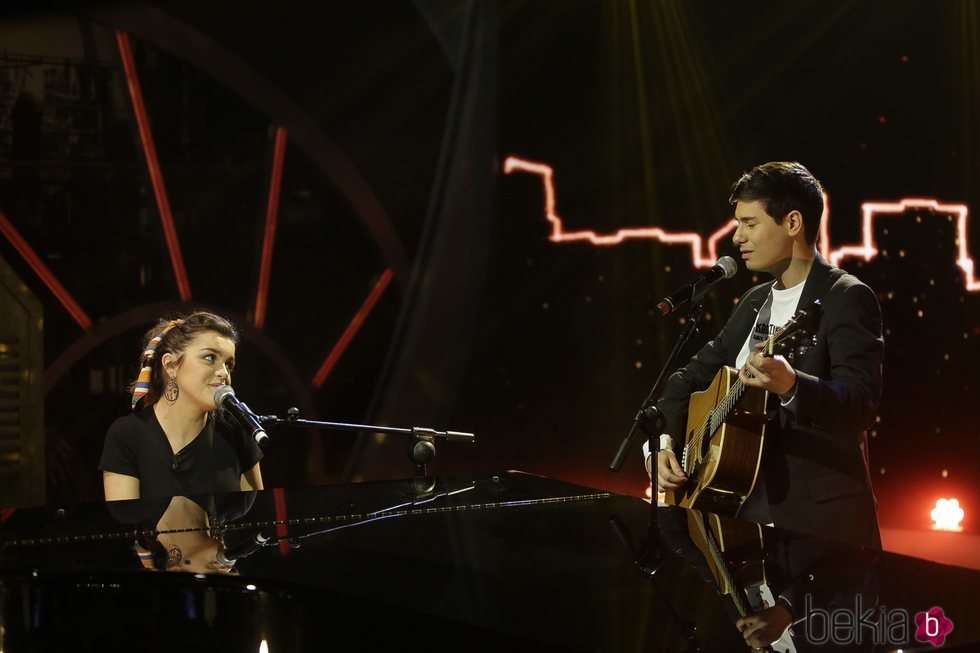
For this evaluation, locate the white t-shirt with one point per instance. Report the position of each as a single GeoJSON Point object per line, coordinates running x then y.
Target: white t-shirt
{"type": "Point", "coordinates": [777, 310]}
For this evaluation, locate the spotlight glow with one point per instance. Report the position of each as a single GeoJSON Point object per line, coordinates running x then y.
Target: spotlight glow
{"type": "Point", "coordinates": [947, 515]}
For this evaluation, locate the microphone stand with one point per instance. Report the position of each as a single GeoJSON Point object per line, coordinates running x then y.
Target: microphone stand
{"type": "Point", "coordinates": [421, 451]}
{"type": "Point", "coordinates": [649, 557]}
{"type": "Point", "coordinates": [649, 419]}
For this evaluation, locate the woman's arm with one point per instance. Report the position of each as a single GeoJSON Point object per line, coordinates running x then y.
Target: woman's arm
{"type": "Point", "coordinates": [120, 486]}
{"type": "Point", "coordinates": [252, 479]}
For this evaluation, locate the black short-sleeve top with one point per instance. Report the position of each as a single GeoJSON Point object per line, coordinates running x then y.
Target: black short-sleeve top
{"type": "Point", "coordinates": [213, 462]}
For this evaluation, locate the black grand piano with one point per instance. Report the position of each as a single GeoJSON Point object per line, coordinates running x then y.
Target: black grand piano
{"type": "Point", "coordinates": [504, 562]}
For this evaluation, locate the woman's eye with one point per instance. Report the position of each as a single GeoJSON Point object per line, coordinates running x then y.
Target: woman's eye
{"type": "Point", "coordinates": [209, 358]}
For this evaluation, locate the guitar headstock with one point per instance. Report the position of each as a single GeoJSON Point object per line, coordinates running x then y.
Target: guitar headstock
{"type": "Point", "coordinates": [797, 334]}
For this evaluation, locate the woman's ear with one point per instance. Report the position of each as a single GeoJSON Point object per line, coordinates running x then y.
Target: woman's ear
{"type": "Point", "coordinates": [167, 361]}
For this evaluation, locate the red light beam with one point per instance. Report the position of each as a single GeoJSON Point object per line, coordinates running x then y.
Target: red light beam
{"type": "Point", "coordinates": [355, 324]}
{"type": "Point", "coordinates": [153, 165]}
{"type": "Point", "coordinates": [269, 239]}
{"type": "Point", "coordinates": [44, 272]}
{"type": "Point", "coordinates": [279, 501]}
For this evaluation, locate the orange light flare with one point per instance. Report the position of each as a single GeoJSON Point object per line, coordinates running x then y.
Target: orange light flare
{"type": "Point", "coordinates": [947, 515]}
{"type": "Point", "coordinates": [702, 257]}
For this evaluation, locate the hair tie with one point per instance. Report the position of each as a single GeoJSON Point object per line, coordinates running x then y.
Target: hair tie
{"type": "Point", "coordinates": [144, 554]}
{"type": "Point", "coordinates": [143, 380]}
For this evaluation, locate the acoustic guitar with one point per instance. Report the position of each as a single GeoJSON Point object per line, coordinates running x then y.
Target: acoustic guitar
{"type": "Point", "coordinates": [726, 426]}
{"type": "Point", "coordinates": [735, 555]}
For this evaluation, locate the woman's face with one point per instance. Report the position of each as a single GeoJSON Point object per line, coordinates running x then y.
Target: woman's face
{"type": "Point", "coordinates": [207, 364]}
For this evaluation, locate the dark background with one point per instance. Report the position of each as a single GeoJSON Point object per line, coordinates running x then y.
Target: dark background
{"type": "Point", "coordinates": [400, 117]}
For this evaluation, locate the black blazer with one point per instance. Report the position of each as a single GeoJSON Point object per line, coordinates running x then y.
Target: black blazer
{"type": "Point", "coordinates": [814, 458]}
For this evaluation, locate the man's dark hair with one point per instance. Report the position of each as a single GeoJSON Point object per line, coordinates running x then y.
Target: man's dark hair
{"type": "Point", "coordinates": [783, 186]}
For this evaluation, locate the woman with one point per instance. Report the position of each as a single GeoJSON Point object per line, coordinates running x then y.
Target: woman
{"type": "Point", "coordinates": [175, 443]}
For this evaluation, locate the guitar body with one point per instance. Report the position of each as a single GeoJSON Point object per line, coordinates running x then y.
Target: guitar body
{"type": "Point", "coordinates": [735, 553]}
{"type": "Point", "coordinates": [722, 468]}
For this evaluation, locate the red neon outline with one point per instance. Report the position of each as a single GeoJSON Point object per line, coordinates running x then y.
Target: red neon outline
{"type": "Point", "coordinates": [355, 324]}
{"type": "Point", "coordinates": [867, 249]}
{"type": "Point", "coordinates": [153, 164]}
{"type": "Point", "coordinates": [45, 273]}
{"type": "Point", "coordinates": [269, 238]}
{"type": "Point", "coordinates": [559, 235]}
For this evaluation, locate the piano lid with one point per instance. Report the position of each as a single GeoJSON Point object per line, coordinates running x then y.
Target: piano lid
{"type": "Point", "coordinates": [503, 560]}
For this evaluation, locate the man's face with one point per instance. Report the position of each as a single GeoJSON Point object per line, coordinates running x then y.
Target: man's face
{"type": "Point", "coordinates": [764, 245]}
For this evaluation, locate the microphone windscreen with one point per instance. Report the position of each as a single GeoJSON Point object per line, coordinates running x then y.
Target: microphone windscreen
{"type": "Point", "coordinates": [728, 266]}
{"type": "Point", "coordinates": [222, 393]}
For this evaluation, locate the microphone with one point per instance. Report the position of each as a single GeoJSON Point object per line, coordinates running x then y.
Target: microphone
{"type": "Point", "coordinates": [227, 556]}
{"type": "Point", "coordinates": [725, 268]}
{"type": "Point", "coordinates": [224, 397]}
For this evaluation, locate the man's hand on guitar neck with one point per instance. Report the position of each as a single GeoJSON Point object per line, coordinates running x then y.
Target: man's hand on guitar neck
{"type": "Point", "coordinates": [670, 475]}
{"type": "Point", "coordinates": [772, 373]}
{"type": "Point", "coordinates": [763, 628]}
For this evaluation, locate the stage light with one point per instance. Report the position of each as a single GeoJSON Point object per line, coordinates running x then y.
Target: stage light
{"type": "Point", "coordinates": [947, 515]}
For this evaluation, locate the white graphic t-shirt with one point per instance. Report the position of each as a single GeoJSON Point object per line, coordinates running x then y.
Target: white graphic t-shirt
{"type": "Point", "coordinates": [777, 310]}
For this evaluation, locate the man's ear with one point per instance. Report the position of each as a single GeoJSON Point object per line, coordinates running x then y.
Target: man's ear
{"type": "Point", "coordinates": [793, 222]}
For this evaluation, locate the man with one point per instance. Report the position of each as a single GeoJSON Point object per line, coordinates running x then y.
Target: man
{"type": "Point", "coordinates": [813, 477]}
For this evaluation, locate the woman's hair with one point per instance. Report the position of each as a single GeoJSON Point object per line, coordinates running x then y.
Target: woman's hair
{"type": "Point", "coordinates": [175, 341]}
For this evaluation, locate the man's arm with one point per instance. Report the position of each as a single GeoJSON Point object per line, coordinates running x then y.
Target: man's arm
{"type": "Point", "coordinates": [693, 377]}
{"type": "Point", "coordinates": [847, 401]}
{"type": "Point", "coordinates": [698, 373]}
